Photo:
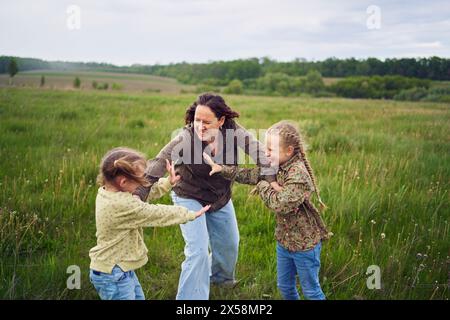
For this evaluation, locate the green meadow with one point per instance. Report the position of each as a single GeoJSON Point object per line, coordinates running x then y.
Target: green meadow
{"type": "Point", "coordinates": [383, 168]}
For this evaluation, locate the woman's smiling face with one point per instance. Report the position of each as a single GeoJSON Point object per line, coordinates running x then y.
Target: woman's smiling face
{"type": "Point", "coordinates": [206, 125]}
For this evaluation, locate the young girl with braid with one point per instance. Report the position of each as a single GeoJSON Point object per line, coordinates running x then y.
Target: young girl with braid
{"type": "Point", "coordinates": [120, 218]}
{"type": "Point", "coordinates": [299, 227]}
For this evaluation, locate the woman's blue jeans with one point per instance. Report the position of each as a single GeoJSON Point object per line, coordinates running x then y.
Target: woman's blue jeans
{"type": "Point", "coordinates": [217, 231]}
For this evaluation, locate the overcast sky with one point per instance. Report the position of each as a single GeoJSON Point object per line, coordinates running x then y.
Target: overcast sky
{"type": "Point", "coordinates": [124, 32]}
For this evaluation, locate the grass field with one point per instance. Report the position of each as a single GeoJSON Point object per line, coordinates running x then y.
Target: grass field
{"type": "Point", "coordinates": [383, 168]}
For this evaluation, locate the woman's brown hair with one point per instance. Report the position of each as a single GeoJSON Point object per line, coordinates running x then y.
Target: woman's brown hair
{"type": "Point", "coordinates": [122, 161]}
{"type": "Point", "coordinates": [217, 105]}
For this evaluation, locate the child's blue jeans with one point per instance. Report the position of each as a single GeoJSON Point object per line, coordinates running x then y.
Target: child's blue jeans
{"type": "Point", "coordinates": [306, 265]}
{"type": "Point", "coordinates": [118, 285]}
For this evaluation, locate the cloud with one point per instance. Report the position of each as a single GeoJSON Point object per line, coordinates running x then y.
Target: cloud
{"type": "Point", "coordinates": [133, 31]}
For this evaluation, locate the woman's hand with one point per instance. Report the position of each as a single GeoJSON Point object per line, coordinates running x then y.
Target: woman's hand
{"type": "Point", "coordinates": [276, 186]}
{"type": "Point", "coordinates": [173, 176]}
{"type": "Point", "coordinates": [202, 211]}
{"type": "Point", "coordinates": [214, 166]}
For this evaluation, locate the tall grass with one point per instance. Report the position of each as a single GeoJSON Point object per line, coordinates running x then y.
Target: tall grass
{"type": "Point", "coordinates": [383, 168]}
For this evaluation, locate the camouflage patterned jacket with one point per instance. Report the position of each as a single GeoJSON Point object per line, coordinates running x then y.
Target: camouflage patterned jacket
{"type": "Point", "coordinates": [299, 226]}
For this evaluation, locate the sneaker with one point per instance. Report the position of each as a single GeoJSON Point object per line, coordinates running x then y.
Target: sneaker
{"type": "Point", "coordinates": [228, 284]}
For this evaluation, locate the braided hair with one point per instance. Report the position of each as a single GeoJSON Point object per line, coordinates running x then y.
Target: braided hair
{"type": "Point", "coordinates": [290, 136]}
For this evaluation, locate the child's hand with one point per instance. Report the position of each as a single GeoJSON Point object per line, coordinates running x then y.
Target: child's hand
{"type": "Point", "coordinates": [173, 176]}
{"type": "Point", "coordinates": [202, 211]}
{"type": "Point", "coordinates": [254, 192]}
{"type": "Point", "coordinates": [214, 166]}
{"type": "Point", "coordinates": [276, 186]}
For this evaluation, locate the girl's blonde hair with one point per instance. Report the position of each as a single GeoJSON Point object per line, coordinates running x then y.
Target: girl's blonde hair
{"type": "Point", "coordinates": [289, 135]}
{"type": "Point", "coordinates": [122, 161]}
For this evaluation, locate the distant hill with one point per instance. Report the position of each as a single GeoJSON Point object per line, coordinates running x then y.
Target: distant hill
{"type": "Point", "coordinates": [95, 80]}
{"type": "Point", "coordinates": [28, 64]}
{"type": "Point", "coordinates": [222, 72]}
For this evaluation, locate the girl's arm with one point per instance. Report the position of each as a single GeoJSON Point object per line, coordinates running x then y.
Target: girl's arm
{"type": "Point", "coordinates": [244, 175]}
{"type": "Point", "coordinates": [159, 189]}
{"type": "Point", "coordinates": [256, 151]}
{"type": "Point", "coordinates": [295, 190]}
{"type": "Point", "coordinates": [143, 214]}
{"type": "Point", "coordinates": [164, 185]}
{"type": "Point", "coordinates": [229, 172]}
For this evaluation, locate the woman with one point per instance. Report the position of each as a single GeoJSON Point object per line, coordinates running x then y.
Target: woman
{"type": "Point", "coordinates": [211, 128]}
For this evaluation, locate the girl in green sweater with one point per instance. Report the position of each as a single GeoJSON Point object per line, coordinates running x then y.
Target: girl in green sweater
{"type": "Point", "coordinates": [120, 218]}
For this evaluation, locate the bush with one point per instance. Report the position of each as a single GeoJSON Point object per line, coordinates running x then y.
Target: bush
{"type": "Point", "coordinates": [376, 87]}
{"type": "Point", "coordinates": [77, 83]}
{"type": "Point", "coordinates": [282, 84]}
{"type": "Point", "coordinates": [234, 87]}
{"type": "Point", "coordinates": [414, 94]}
{"type": "Point", "coordinates": [206, 88]}
{"type": "Point", "coordinates": [437, 98]}
{"type": "Point", "coordinates": [152, 90]}
{"type": "Point", "coordinates": [324, 94]}
{"type": "Point", "coordinates": [279, 84]}
{"type": "Point", "coordinates": [440, 91]}
{"type": "Point", "coordinates": [214, 82]}
{"type": "Point", "coordinates": [313, 82]}
{"type": "Point", "coordinates": [117, 86]}
{"type": "Point", "coordinates": [103, 86]}
{"type": "Point", "coordinates": [437, 94]}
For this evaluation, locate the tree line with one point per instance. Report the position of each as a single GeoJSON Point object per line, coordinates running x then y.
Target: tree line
{"type": "Point", "coordinates": [222, 72]}
{"type": "Point", "coordinates": [267, 77]}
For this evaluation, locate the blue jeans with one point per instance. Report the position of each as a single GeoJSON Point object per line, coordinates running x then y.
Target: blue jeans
{"type": "Point", "coordinates": [118, 285]}
{"type": "Point", "coordinates": [306, 265]}
{"type": "Point", "coordinates": [216, 230]}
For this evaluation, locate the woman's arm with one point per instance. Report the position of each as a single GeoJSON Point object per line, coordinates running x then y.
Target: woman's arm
{"type": "Point", "coordinates": [256, 151]}
{"type": "Point", "coordinates": [156, 168]}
